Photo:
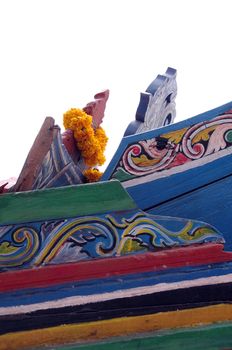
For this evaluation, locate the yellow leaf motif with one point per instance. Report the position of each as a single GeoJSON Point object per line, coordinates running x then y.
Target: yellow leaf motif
{"type": "Point", "coordinates": [143, 161]}
{"type": "Point", "coordinates": [131, 246]}
{"type": "Point", "coordinates": [7, 248]}
{"type": "Point", "coordinates": [203, 135]}
{"type": "Point", "coordinates": [175, 136]}
{"type": "Point", "coordinates": [200, 232]}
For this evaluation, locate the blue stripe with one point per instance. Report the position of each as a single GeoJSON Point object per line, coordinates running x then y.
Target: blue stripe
{"type": "Point", "coordinates": [211, 204]}
{"type": "Point", "coordinates": [180, 183]}
{"type": "Point", "coordinates": [37, 295]}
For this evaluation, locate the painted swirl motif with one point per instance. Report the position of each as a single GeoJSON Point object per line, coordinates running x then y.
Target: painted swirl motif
{"type": "Point", "coordinates": [207, 138]}
{"type": "Point", "coordinates": [148, 156]}
{"type": "Point", "coordinates": [96, 237]}
{"type": "Point", "coordinates": [20, 248]}
{"type": "Point", "coordinates": [176, 148]}
{"type": "Point", "coordinates": [112, 235]}
{"type": "Point", "coordinates": [142, 232]}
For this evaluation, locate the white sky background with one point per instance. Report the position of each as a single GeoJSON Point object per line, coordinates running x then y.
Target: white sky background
{"type": "Point", "coordinates": [56, 54]}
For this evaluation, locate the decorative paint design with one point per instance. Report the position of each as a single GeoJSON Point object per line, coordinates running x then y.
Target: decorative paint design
{"type": "Point", "coordinates": [201, 142]}
{"type": "Point", "coordinates": [81, 238]}
{"type": "Point", "coordinates": [143, 232]}
{"type": "Point", "coordinates": [58, 168]}
{"type": "Point", "coordinates": [20, 248]}
{"type": "Point", "coordinates": [161, 109]}
{"type": "Point", "coordinates": [157, 105]}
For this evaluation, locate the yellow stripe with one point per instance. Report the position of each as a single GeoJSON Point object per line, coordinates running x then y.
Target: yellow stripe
{"type": "Point", "coordinates": [97, 330]}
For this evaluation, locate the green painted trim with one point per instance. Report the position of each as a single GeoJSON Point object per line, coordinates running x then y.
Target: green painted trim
{"type": "Point", "coordinates": [213, 337]}
{"type": "Point", "coordinates": [64, 202]}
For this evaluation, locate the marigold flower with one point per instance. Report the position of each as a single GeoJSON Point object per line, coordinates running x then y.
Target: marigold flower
{"type": "Point", "coordinates": [92, 175]}
{"type": "Point", "coordinates": [90, 142]}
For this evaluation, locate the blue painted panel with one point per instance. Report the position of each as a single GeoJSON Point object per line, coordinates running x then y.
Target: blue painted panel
{"type": "Point", "coordinates": [93, 237]}
{"type": "Point", "coordinates": [149, 194]}
{"type": "Point", "coordinates": [211, 204]}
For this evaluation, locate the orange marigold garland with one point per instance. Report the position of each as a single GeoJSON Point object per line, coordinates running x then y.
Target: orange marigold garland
{"type": "Point", "coordinates": [90, 142]}
{"type": "Point", "coordinates": [92, 175]}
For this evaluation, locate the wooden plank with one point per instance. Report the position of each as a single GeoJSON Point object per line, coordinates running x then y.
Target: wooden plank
{"type": "Point", "coordinates": [211, 203]}
{"type": "Point", "coordinates": [64, 202]}
{"type": "Point", "coordinates": [93, 331]}
{"type": "Point", "coordinates": [36, 156]}
{"type": "Point", "coordinates": [179, 184]}
{"type": "Point", "coordinates": [198, 338]}
{"type": "Point", "coordinates": [93, 269]}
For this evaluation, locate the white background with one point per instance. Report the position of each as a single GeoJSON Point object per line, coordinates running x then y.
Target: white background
{"type": "Point", "coordinates": [56, 54]}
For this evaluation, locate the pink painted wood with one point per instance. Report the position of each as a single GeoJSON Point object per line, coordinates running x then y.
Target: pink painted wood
{"type": "Point", "coordinates": [97, 108]}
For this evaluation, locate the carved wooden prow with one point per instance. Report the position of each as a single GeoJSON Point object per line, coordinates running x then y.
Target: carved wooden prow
{"type": "Point", "coordinates": [157, 104]}
{"type": "Point", "coordinates": [43, 142]}
{"type": "Point", "coordinates": [36, 156]}
{"type": "Point", "coordinates": [97, 108]}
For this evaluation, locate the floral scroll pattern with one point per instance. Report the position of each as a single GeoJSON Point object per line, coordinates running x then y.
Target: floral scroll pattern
{"type": "Point", "coordinates": [89, 237]}
{"type": "Point", "coordinates": [176, 148]}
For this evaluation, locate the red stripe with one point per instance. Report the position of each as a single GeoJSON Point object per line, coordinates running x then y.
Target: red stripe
{"type": "Point", "coordinates": [137, 263]}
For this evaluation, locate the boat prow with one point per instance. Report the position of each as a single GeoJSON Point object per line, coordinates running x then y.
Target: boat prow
{"type": "Point", "coordinates": [147, 248]}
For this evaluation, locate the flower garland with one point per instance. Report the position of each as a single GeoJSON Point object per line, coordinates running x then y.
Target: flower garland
{"type": "Point", "coordinates": [90, 142]}
{"type": "Point", "coordinates": [92, 174]}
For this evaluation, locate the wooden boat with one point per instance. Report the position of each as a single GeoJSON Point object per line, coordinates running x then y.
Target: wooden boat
{"type": "Point", "coordinates": [85, 262]}
{"type": "Point", "coordinates": [190, 160]}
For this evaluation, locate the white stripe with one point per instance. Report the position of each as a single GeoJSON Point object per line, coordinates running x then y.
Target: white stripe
{"type": "Point", "coordinates": [118, 294]}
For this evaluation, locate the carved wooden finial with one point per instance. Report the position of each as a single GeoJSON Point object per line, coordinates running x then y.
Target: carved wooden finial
{"type": "Point", "coordinates": [157, 106]}
{"type": "Point", "coordinates": [97, 107]}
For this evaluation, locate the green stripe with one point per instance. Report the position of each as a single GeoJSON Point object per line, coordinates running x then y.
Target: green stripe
{"type": "Point", "coordinates": [64, 202]}
{"type": "Point", "coordinates": [208, 338]}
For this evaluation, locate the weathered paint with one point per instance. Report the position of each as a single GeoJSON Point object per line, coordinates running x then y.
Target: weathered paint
{"type": "Point", "coordinates": [117, 327]}
{"type": "Point", "coordinates": [58, 274]}
{"type": "Point", "coordinates": [214, 337]}
{"type": "Point", "coordinates": [192, 177]}
{"type": "Point", "coordinates": [210, 203]}
{"type": "Point", "coordinates": [157, 105]}
{"type": "Point", "coordinates": [64, 202]}
{"type": "Point", "coordinates": [183, 296]}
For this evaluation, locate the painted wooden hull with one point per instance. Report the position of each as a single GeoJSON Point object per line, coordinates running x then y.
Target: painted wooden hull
{"type": "Point", "coordinates": [181, 170]}
{"type": "Point", "coordinates": [116, 305]}
{"type": "Point", "coordinates": [211, 337]}
{"type": "Point", "coordinates": [96, 261]}
{"type": "Point", "coordinates": [99, 299]}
